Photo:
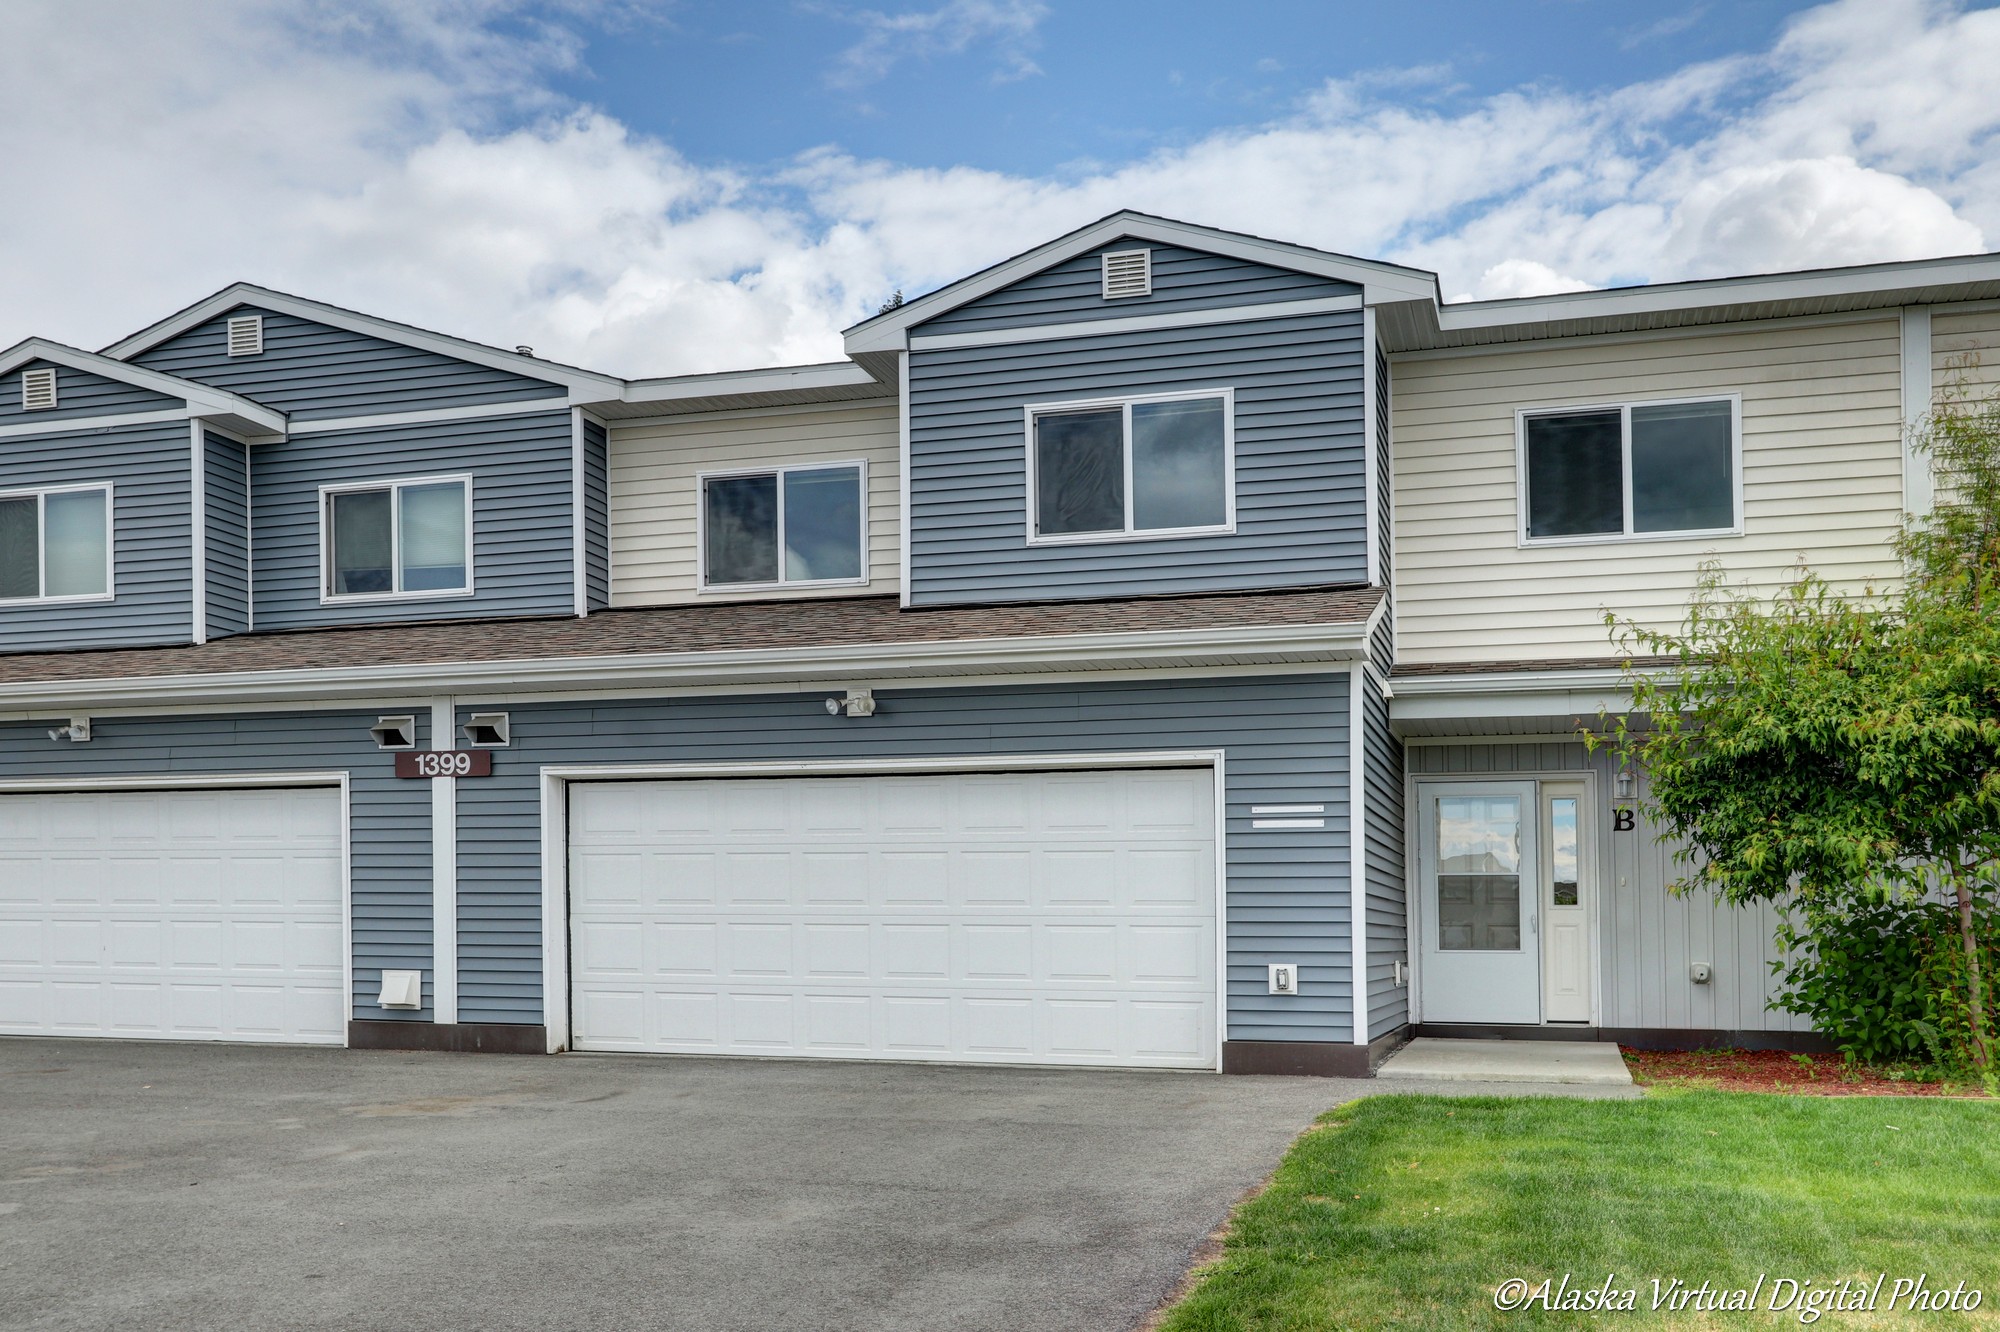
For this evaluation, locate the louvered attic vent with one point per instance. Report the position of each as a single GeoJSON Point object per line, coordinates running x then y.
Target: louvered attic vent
{"type": "Point", "coordinates": [1128, 273]}
{"type": "Point", "coordinates": [246, 335]}
{"type": "Point", "coordinates": [38, 390]}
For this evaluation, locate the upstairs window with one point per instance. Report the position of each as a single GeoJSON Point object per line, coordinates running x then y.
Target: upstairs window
{"type": "Point", "coordinates": [784, 527]}
{"type": "Point", "coordinates": [55, 545]}
{"type": "Point", "coordinates": [398, 538]}
{"type": "Point", "coordinates": [1635, 470]}
{"type": "Point", "coordinates": [1107, 469]}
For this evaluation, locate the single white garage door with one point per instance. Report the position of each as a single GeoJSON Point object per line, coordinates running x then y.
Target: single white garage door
{"type": "Point", "coordinates": [1020, 918]}
{"type": "Point", "coordinates": [177, 915]}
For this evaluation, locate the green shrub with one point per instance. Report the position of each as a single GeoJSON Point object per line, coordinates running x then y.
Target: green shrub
{"type": "Point", "coordinates": [1885, 981]}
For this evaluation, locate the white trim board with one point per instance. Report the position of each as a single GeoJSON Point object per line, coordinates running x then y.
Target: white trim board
{"type": "Point", "coordinates": [201, 399]}
{"type": "Point", "coordinates": [579, 516]}
{"type": "Point", "coordinates": [1528, 346]}
{"type": "Point", "coordinates": [1917, 392]}
{"type": "Point", "coordinates": [555, 838]}
{"type": "Point", "coordinates": [71, 425]}
{"type": "Point", "coordinates": [432, 415]}
{"type": "Point", "coordinates": [1357, 849]}
{"type": "Point", "coordinates": [1275, 644]}
{"type": "Point", "coordinates": [444, 870]}
{"type": "Point", "coordinates": [1086, 328]}
{"type": "Point", "coordinates": [197, 527]}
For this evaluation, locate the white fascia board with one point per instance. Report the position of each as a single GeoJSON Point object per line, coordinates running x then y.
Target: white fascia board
{"type": "Point", "coordinates": [1718, 294]}
{"type": "Point", "coordinates": [782, 379]}
{"type": "Point", "coordinates": [1580, 693]}
{"type": "Point", "coordinates": [202, 399]}
{"type": "Point", "coordinates": [584, 385]}
{"type": "Point", "coordinates": [876, 661]}
{"type": "Point", "coordinates": [1380, 282]}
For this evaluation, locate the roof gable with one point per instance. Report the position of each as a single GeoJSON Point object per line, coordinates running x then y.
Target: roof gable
{"type": "Point", "coordinates": [1379, 282]}
{"type": "Point", "coordinates": [144, 390]}
{"type": "Point", "coordinates": [583, 385]}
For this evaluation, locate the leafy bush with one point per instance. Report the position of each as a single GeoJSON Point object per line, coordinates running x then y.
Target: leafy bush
{"type": "Point", "coordinates": [1885, 981]}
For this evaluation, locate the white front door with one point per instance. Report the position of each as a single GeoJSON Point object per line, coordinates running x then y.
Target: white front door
{"type": "Point", "coordinates": [1022, 918]}
{"type": "Point", "coordinates": [1479, 945]}
{"type": "Point", "coordinates": [199, 915]}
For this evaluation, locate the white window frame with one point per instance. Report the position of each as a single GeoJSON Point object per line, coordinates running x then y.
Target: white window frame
{"type": "Point", "coordinates": [778, 470]}
{"type": "Point", "coordinates": [1624, 407]}
{"type": "Point", "coordinates": [1129, 533]}
{"type": "Point", "coordinates": [395, 486]}
{"type": "Point", "coordinates": [40, 495]}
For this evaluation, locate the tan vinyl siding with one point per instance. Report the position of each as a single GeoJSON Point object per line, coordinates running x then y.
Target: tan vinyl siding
{"type": "Point", "coordinates": [653, 468]}
{"type": "Point", "coordinates": [1822, 479]}
{"type": "Point", "coordinates": [1965, 353]}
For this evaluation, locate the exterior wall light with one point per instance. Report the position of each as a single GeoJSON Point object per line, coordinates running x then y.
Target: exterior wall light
{"type": "Point", "coordinates": [76, 732]}
{"type": "Point", "coordinates": [394, 732]}
{"type": "Point", "coordinates": [1625, 784]}
{"type": "Point", "coordinates": [486, 730]}
{"type": "Point", "coordinates": [858, 703]}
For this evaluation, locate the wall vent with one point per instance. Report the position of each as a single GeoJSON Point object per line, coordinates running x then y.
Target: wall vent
{"type": "Point", "coordinates": [246, 335]}
{"type": "Point", "coordinates": [1128, 273]}
{"type": "Point", "coordinates": [38, 390]}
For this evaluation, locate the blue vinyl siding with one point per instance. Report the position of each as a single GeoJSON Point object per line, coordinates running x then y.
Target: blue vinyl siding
{"type": "Point", "coordinates": [1301, 518]}
{"type": "Point", "coordinates": [521, 467]}
{"type": "Point", "coordinates": [79, 393]}
{"type": "Point", "coordinates": [1285, 740]}
{"type": "Point", "coordinates": [596, 516]}
{"type": "Point", "coordinates": [147, 467]}
{"type": "Point", "coordinates": [312, 370]}
{"type": "Point", "coordinates": [1386, 885]}
{"type": "Point", "coordinates": [390, 820]}
{"type": "Point", "coordinates": [226, 496]}
{"type": "Point", "coordinates": [1073, 291]}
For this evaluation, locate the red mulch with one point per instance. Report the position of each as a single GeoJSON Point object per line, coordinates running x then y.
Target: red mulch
{"type": "Point", "coordinates": [1774, 1071]}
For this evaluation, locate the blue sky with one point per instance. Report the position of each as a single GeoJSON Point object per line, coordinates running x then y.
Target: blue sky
{"type": "Point", "coordinates": [758, 82]}
{"type": "Point", "coordinates": [674, 186]}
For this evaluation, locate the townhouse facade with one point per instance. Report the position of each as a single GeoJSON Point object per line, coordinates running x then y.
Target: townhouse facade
{"type": "Point", "coordinates": [1166, 648]}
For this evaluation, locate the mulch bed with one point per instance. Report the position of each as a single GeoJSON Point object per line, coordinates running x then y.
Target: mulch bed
{"type": "Point", "coordinates": [1775, 1071]}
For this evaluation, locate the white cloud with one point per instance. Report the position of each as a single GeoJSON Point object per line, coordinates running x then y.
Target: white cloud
{"type": "Point", "coordinates": [406, 157]}
{"type": "Point", "coordinates": [951, 29]}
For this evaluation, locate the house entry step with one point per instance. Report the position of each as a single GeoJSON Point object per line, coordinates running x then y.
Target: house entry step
{"type": "Point", "coordinates": [1436, 1059]}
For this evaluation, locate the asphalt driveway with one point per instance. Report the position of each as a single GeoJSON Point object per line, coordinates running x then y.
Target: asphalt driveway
{"type": "Point", "coordinates": [217, 1187]}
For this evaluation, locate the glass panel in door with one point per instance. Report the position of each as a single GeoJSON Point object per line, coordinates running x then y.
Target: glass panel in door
{"type": "Point", "coordinates": [1479, 873]}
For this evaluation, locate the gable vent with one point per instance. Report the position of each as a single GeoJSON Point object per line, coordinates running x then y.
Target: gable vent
{"type": "Point", "coordinates": [246, 335]}
{"type": "Point", "coordinates": [1128, 273]}
{"type": "Point", "coordinates": [38, 390]}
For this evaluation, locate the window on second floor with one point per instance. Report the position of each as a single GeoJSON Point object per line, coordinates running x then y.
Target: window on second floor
{"type": "Point", "coordinates": [55, 545]}
{"type": "Point", "coordinates": [784, 527]}
{"type": "Point", "coordinates": [398, 538]}
{"type": "Point", "coordinates": [1114, 468]}
{"type": "Point", "coordinates": [1632, 470]}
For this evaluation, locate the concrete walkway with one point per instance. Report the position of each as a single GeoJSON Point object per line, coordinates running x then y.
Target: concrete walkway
{"type": "Point", "coordinates": [1430, 1059]}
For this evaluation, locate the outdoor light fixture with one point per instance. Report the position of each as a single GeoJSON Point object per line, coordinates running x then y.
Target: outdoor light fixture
{"type": "Point", "coordinates": [1625, 784]}
{"type": "Point", "coordinates": [858, 703]}
{"type": "Point", "coordinates": [486, 730]}
{"type": "Point", "coordinates": [77, 731]}
{"type": "Point", "coordinates": [394, 732]}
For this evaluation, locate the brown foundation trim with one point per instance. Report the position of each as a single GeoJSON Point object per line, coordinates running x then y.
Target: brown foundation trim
{"type": "Point", "coordinates": [460, 1037]}
{"type": "Point", "coordinates": [1639, 1038]}
{"type": "Point", "coordinates": [1310, 1059]}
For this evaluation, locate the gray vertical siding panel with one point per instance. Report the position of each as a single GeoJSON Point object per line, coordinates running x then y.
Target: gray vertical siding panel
{"type": "Point", "coordinates": [1285, 739]}
{"type": "Point", "coordinates": [1073, 290]}
{"type": "Point", "coordinates": [152, 548]}
{"type": "Point", "coordinates": [1387, 892]}
{"type": "Point", "coordinates": [596, 516]}
{"type": "Point", "coordinates": [389, 819]}
{"type": "Point", "coordinates": [1300, 473]}
{"type": "Point", "coordinates": [523, 559]}
{"type": "Point", "coordinates": [1646, 937]}
{"type": "Point", "coordinates": [79, 393]}
{"type": "Point", "coordinates": [312, 370]}
{"type": "Point", "coordinates": [226, 549]}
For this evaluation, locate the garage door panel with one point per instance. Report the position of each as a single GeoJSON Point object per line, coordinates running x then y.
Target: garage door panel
{"type": "Point", "coordinates": [1004, 918]}
{"type": "Point", "coordinates": [173, 914]}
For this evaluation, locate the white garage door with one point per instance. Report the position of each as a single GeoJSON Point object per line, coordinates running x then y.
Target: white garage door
{"type": "Point", "coordinates": [179, 915]}
{"type": "Point", "coordinates": [1022, 918]}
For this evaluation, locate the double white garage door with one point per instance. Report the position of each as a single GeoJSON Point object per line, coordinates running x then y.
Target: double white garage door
{"type": "Point", "coordinates": [1034, 917]}
{"type": "Point", "coordinates": [182, 915]}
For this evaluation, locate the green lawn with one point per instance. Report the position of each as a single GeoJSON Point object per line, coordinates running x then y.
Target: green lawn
{"type": "Point", "coordinates": [1409, 1212]}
